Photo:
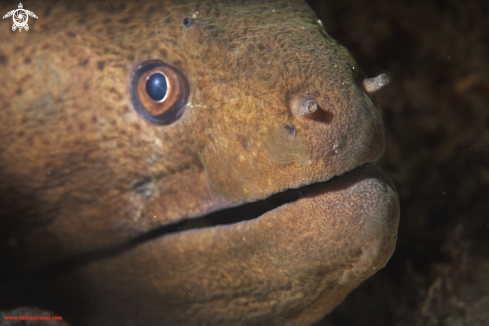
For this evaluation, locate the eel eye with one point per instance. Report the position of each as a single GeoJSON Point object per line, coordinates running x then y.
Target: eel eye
{"type": "Point", "coordinates": [159, 92]}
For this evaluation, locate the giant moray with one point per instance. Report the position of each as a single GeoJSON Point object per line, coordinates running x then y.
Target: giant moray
{"type": "Point", "coordinates": [174, 163]}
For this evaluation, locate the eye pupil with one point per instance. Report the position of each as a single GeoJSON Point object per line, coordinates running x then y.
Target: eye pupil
{"type": "Point", "coordinates": [156, 87]}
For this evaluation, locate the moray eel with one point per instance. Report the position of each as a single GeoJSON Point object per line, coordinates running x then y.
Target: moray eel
{"type": "Point", "coordinates": [173, 163]}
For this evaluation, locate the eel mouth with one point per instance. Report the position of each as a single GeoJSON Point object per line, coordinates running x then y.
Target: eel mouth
{"type": "Point", "coordinates": [227, 217]}
{"type": "Point", "coordinates": [218, 218]}
{"type": "Point", "coordinates": [303, 231]}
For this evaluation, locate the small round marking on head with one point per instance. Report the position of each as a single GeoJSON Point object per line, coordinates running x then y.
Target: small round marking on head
{"type": "Point", "coordinates": [187, 21]}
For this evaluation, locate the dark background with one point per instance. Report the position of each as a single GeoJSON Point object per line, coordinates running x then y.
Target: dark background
{"type": "Point", "coordinates": [436, 113]}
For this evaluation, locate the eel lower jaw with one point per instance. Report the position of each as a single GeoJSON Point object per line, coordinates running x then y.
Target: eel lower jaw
{"type": "Point", "coordinates": [299, 259]}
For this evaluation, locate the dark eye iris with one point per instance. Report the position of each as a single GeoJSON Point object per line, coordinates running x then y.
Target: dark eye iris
{"type": "Point", "coordinates": [156, 87]}
{"type": "Point", "coordinates": [159, 92]}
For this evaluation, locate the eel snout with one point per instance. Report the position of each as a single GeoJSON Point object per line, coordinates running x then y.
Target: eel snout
{"type": "Point", "coordinates": [296, 262]}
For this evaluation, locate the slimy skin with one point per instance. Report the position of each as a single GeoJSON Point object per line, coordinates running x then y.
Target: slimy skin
{"type": "Point", "coordinates": [274, 104]}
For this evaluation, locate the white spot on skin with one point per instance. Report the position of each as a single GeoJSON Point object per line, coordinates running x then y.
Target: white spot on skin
{"type": "Point", "coordinates": [335, 148]}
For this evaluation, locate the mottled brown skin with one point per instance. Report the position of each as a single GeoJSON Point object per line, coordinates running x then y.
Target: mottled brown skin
{"type": "Point", "coordinates": [81, 171]}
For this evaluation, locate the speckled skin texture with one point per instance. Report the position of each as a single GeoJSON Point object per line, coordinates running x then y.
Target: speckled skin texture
{"type": "Point", "coordinates": [81, 171]}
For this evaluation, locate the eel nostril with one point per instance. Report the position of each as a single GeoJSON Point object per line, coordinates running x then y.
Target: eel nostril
{"type": "Point", "coordinates": [304, 106]}
{"type": "Point", "coordinates": [372, 85]}
{"type": "Point", "coordinates": [312, 107]}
